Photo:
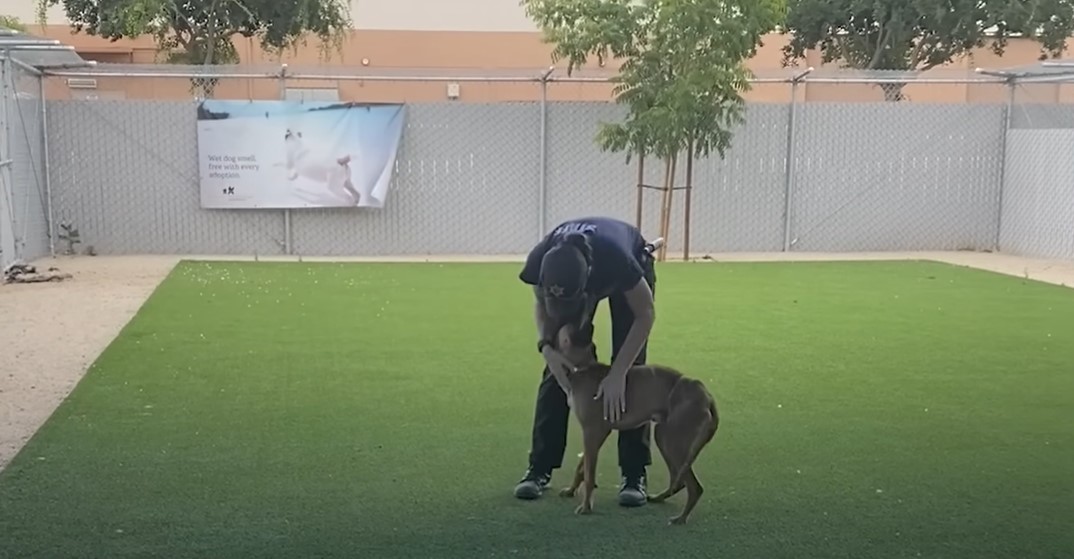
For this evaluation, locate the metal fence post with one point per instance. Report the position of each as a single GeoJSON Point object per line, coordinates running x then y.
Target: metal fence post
{"type": "Point", "coordinates": [1007, 112]}
{"type": "Point", "coordinates": [542, 189]}
{"type": "Point", "coordinates": [288, 247]}
{"type": "Point", "coordinates": [45, 170]}
{"type": "Point", "coordinates": [7, 215]}
{"type": "Point", "coordinates": [7, 182]}
{"type": "Point", "coordinates": [788, 163]}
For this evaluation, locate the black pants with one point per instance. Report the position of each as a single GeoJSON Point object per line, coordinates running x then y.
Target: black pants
{"type": "Point", "coordinates": [552, 412]}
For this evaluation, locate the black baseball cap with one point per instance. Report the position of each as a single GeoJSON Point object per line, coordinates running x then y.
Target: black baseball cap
{"type": "Point", "coordinates": [563, 277]}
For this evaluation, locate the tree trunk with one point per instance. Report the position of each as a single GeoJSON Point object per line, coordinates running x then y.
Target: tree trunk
{"type": "Point", "coordinates": [641, 186]}
{"type": "Point", "coordinates": [893, 91]}
{"type": "Point", "coordinates": [665, 211]}
{"type": "Point", "coordinates": [208, 85]}
{"type": "Point", "coordinates": [686, 207]}
{"type": "Point", "coordinates": [663, 204]}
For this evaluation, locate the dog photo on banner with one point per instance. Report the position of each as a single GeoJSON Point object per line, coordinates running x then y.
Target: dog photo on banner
{"type": "Point", "coordinates": [294, 154]}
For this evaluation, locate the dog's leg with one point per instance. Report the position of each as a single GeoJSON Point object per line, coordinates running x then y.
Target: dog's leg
{"type": "Point", "coordinates": [349, 186]}
{"type": "Point", "coordinates": [576, 482]}
{"type": "Point", "coordinates": [579, 475]}
{"type": "Point", "coordinates": [707, 424]}
{"type": "Point", "coordinates": [694, 490]}
{"type": "Point", "coordinates": [672, 461]}
{"type": "Point", "coordinates": [593, 439]}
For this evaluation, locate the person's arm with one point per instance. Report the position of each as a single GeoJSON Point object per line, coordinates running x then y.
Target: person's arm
{"type": "Point", "coordinates": [640, 300]}
{"type": "Point", "coordinates": [545, 328]}
{"type": "Point", "coordinates": [547, 332]}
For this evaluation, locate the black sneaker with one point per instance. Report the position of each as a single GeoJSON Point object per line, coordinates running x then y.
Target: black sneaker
{"type": "Point", "coordinates": [632, 491]}
{"type": "Point", "coordinates": [532, 485]}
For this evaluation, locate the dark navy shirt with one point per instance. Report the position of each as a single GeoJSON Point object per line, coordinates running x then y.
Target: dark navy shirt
{"type": "Point", "coordinates": [616, 245]}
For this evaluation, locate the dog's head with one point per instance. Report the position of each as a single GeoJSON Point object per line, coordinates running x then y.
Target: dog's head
{"type": "Point", "coordinates": [291, 135]}
{"type": "Point", "coordinates": [576, 344]}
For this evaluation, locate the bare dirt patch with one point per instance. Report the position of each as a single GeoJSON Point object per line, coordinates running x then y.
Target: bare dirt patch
{"type": "Point", "coordinates": [52, 332]}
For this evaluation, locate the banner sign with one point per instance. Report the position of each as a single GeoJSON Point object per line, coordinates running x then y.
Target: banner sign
{"type": "Point", "coordinates": [294, 154]}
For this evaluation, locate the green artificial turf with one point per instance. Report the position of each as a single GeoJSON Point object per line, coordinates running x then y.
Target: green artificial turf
{"type": "Point", "coordinates": [870, 410]}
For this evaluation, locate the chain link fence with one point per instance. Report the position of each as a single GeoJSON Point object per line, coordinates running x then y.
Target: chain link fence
{"type": "Point", "coordinates": [824, 162]}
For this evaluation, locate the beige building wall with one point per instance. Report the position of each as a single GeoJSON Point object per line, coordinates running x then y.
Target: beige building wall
{"type": "Point", "coordinates": [385, 15]}
{"type": "Point", "coordinates": [474, 36]}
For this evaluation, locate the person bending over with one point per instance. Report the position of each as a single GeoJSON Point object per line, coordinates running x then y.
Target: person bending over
{"type": "Point", "coordinates": [577, 265]}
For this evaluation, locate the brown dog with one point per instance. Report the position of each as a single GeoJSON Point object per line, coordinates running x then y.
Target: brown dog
{"type": "Point", "coordinates": [682, 408]}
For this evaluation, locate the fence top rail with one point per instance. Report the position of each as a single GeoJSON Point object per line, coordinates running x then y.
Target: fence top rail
{"type": "Point", "coordinates": [534, 75]}
{"type": "Point", "coordinates": [36, 52]}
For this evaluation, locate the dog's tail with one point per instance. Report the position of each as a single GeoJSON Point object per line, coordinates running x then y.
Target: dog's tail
{"type": "Point", "coordinates": [702, 438]}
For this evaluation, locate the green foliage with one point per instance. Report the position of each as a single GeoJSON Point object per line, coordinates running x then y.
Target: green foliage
{"type": "Point", "coordinates": [917, 35]}
{"type": "Point", "coordinates": [201, 31]}
{"type": "Point", "coordinates": [12, 22]}
{"type": "Point", "coordinates": [682, 74]}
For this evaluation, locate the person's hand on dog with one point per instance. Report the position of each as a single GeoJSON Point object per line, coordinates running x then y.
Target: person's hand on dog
{"type": "Point", "coordinates": [613, 389]}
{"type": "Point", "coordinates": [559, 367]}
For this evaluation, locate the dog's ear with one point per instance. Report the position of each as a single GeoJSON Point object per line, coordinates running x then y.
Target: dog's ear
{"type": "Point", "coordinates": [585, 334]}
{"type": "Point", "coordinates": [582, 336]}
{"type": "Point", "coordinates": [564, 337]}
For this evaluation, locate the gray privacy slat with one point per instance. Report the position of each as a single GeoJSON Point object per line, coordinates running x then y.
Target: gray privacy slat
{"type": "Point", "coordinates": [869, 176]}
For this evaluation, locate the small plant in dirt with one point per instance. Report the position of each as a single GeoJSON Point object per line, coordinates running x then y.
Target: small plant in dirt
{"type": "Point", "coordinates": [70, 236]}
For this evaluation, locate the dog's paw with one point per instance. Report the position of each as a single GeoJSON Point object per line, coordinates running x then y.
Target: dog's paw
{"type": "Point", "coordinates": [583, 509]}
{"type": "Point", "coordinates": [566, 492]}
{"type": "Point", "coordinates": [656, 498]}
{"type": "Point", "coordinates": [677, 520]}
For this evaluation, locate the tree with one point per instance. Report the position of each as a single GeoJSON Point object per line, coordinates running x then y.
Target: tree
{"type": "Point", "coordinates": [917, 35]}
{"type": "Point", "coordinates": [12, 23]}
{"type": "Point", "coordinates": [681, 77]}
{"type": "Point", "coordinates": [201, 31]}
